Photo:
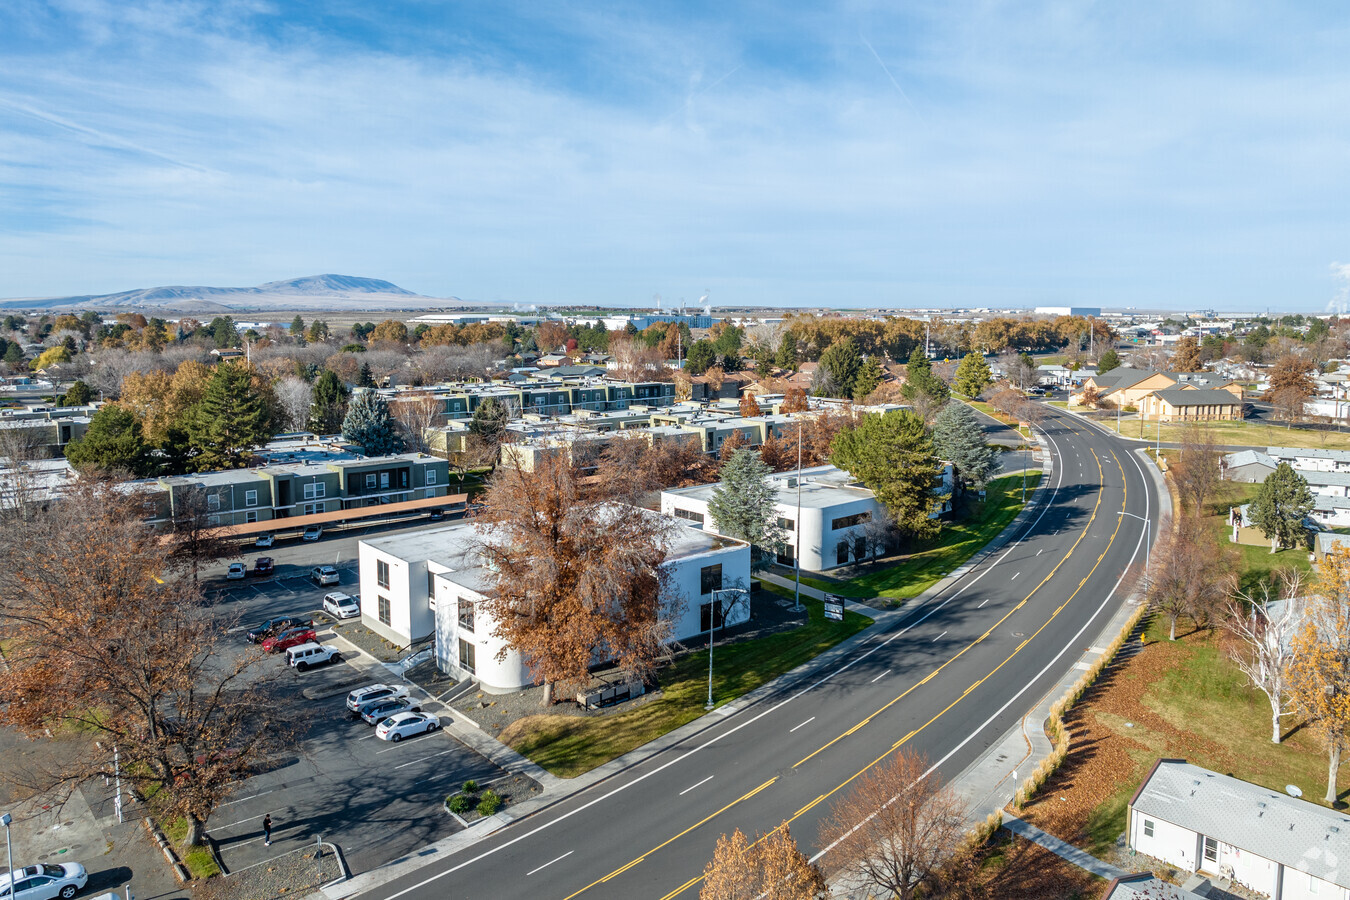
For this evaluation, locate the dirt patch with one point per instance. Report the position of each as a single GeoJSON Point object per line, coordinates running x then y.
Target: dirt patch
{"type": "Point", "coordinates": [297, 874]}
{"type": "Point", "coordinates": [1012, 868]}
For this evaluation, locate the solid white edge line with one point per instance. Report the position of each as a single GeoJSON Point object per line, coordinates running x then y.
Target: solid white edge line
{"type": "Point", "coordinates": [681, 757]}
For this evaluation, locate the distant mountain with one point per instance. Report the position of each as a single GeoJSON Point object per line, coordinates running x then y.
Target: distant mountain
{"type": "Point", "coordinates": [332, 292]}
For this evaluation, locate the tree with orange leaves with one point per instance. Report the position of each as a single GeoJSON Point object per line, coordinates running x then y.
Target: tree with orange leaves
{"type": "Point", "coordinates": [573, 573]}
{"type": "Point", "coordinates": [1319, 674]}
{"type": "Point", "coordinates": [795, 401]}
{"type": "Point", "coordinates": [771, 868]}
{"type": "Point", "coordinates": [731, 443]}
{"type": "Point", "coordinates": [750, 406]}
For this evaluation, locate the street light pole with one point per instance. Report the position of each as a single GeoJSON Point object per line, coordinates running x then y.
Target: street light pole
{"type": "Point", "coordinates": [1148, 544]}
{"type": "Point", "coordinates": [9, 851]}
{"type": "Point", "coordinates": [797, 529]}
{"type": "Point", "coordinates": [712, 636]}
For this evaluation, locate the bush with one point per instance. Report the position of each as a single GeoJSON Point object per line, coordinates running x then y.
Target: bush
{"type": "Point", "coordinates": [471, 787]}
{"type": "Point", "coordinates": [460, 804]}
{"type": "Point", "coordinates": [491, 802]}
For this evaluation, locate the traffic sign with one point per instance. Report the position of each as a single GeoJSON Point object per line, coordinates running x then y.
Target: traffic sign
{"type": "Point", "coordinates": [834, 607]}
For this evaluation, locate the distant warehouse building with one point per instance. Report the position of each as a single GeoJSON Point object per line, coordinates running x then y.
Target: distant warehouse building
{"type": "Point", "coordinates": [1085, 311]}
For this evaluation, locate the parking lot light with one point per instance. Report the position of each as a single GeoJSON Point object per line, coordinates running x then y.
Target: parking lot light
{"type": "Point", "coordinates": [9, 850]}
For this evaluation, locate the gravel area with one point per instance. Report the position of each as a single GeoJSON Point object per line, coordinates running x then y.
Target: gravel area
{"type": "Point", "coordinates": [296, 874]}
{"type": "Point", "coordinates": [512, 789]}
{"type": "Point", "coordinates": [367, 640]}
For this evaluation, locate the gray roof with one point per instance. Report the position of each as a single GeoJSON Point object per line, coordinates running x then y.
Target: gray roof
{"type": "Point", "coordinates": [1123, 377]}
{"type": "Point", "coordinates": [1292, 832]}
{"type": "Point", "coordinates": [1147, 886]}
{"type": "Point", "coordinates": [1329, 540]}
{"type": "Point", "coordinates": [1308, 453]}
{"type": "Point", "coordinates": [1248, 458]}
{"type": "Point", "coordinates": [1197, 397]}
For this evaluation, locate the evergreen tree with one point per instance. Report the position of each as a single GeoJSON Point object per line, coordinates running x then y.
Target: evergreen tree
{"type": "Point", "coordinates": [843, 362]}
{"type": "Point", "coordinates": [298, 329]}
{"type": "Point", "coordinates": [14, 354]}
{"type": "Point", "coordinates": [699, 357]}
{"type": "Point", "coordinates": [892, 455]}
{"type": "Point", "coordinates": [223, 332]}
{"type": "Point", "coordinates": [1280, 507]}
{"type": "Point", "coordinates": [1108, 361]}
{"type": "Point", "coordinates": [786, 358]}
{"type": "Point", "coordinates": [869, 378]}
{"type": "Point", "coordinates": [78, 395]}
{"type": "Point", "coordinates": [489, 420]}
{"type": "Point", "coordinates": [919, 378]}
{"type": "Point", "coordinates": [370, 424]}
{"type": "Point", "coordinates": [318, 331]}
{"type": "Point", "coordinates": [330, 403]}
{"type": "Point", "coordinates": [959, 439]}
{"type": "Point", "coordinates": [972, 376]}
{"type": "Point", "coordinates": [231, 419]}
{"type": "Point", "coordinates": [366, 379]}
{"type": "Point", "coordinates": [112, 443]}
{"type": "Point", "coordinates": [744, 506]}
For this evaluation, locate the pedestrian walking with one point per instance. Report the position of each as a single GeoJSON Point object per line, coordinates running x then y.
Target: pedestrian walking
{"type": "Point", "coordinates": [267, 830]}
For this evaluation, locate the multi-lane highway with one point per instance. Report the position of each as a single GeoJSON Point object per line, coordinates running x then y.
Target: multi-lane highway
{"type": "Point", "coordinates": [947, 679]}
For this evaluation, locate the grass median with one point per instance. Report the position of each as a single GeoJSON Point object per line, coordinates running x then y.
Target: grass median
{"type": "Point", "coordinates": [959, 541]}
{"type": "Point", "coordinates": [567, 746]}
{"type": "Point", "coordinates": [1237, 434]}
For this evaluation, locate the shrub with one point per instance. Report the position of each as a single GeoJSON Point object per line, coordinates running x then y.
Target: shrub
{"type": "Point", "coordinates": [470, 787]}
{"type": "Point", "coordinates": [460, 804]}
{"type": "Point", "coordinates": [491, 802]}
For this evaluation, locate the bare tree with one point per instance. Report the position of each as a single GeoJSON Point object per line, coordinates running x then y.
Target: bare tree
{"type": "Point", "coordinates": [1186, 575]}
{"type": "Point", "coordinates": [295, 397]}
{"type": "Point", "coordinates": [898, 827]}
{"type": "Point", "coordinates": [196, 539]}
{"type": "Point", "coordinates": [879, 533]}
{"type": "Point", "coordinates": [1198, 472]}
{"type": "Point", "coordinates": [416, 413]}
{"type": "Point", "coordinates": [770, 868]}
{"type": "Point", "coordinates": [1264, 638]}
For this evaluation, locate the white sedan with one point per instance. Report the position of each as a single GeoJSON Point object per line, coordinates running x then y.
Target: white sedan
{"type": "Point", "coordinates": [265, 540]}
{"type": "Point", "coordinates": [43, 882]}
{"type": "Point", "coordinates": [340, 605]}
{"type": "Point", "coordinates": [406, 724]}
{"type": "Point", "coordinates": [236, 571]}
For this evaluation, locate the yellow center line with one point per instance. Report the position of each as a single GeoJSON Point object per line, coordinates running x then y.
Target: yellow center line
{"type": "Point", "coordinates": [991, 630]}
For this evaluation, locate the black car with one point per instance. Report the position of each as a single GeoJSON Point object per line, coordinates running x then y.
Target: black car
{"type": "Point", "coordinates": [275, 626]}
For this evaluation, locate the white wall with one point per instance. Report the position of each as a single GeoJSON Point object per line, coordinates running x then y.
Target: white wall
{"type": "Point", "coordinates": [1170, 843]}
{"type": "Point", "coordinates": [410, 615]}
{"type": "Point", "coordinates": [1296, 885]}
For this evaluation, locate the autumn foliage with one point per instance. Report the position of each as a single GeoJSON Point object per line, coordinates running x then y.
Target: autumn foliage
{"type": "Point", "coordinates": [770, 868]}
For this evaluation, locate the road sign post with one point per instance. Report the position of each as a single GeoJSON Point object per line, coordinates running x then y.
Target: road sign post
{"type": "Point", "coordinates": [834, 607]}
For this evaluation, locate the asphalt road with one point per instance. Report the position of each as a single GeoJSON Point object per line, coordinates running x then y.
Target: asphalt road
{"type": "Point", "coordinates": [947, 680]}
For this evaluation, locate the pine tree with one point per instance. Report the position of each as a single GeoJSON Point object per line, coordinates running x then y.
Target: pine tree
{"type": "Point", "coordinates": [958, 438]}
{"type": "Point", "coordinates": [112, 443]}
{"type": "Point", "coordinates": [892, 455]}
{"type": "Point", "coordinates": [972, 376]}
{"type": "Point", "coordinates": [1280, 507]}
{"type": "Point", "coordinates": [366, 379]}
{"type": "Point", "coordinates": [744, 506]}
{"type": "Point", "coordinates": [842, 362]}
{"type": "Point", "coordinates": [869, 378]}
{"type": "Point", "coordinates": [786, 357]}
{"type": "Point", "coordinates": [1109, 360]}
{"type": "Point", "coordinates": [370, 424]}
{"type": "Point", "coordinates": [919, 378]}
{"type": "Point", "coordinates": [229, 421]}
{"type": "Point", "coordinates": [298, 329]}
{"type": "Point", "coordinates": [330, 403]}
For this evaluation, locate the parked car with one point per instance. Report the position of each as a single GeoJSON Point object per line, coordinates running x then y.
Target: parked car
{"type": "Point", "coordinates": [406, 724]}
{"type": "Point", "coordinates": [43, 882]}
{"type": "Point", "coordinates": [287, 639]}
{"type": "Point", "coordinates": [275, 626]}
{"type": "Point", "coordinates": [372, 692]}
{"type": "Point", "coordinates": [265, 540]}
{"type": "Point", "coordinates": [437, 514]}
{"type": "Point", "coordinates": [377, 711]}
{"type": "Point", "coordinates": [236, 571]}
{"type": "Point", "coordinates": [303, 656]}
{"type": "Point", "coordinates": [263, 565]}
{"type": "Point", "coordinates": [324, 575]}
{"type": "Point", "coordinates": [312, 533]}
{"type": "Point", "coordinates": [340, 605]}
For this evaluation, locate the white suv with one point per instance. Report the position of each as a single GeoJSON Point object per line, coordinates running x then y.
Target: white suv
{"type": "Point", "coordinates": [324, 575]}
{"type": "Point", "coordinates": [340, 605]}
{"type": "Point", "coordinates": [302, 656]}
{"type": "Point", "coordinates": [374, 692]}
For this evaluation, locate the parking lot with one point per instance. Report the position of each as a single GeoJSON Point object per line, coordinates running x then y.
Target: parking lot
{"type": "Point", "coordinates": [375, 800]}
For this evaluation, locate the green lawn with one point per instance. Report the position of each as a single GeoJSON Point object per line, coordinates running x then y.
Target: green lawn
{"type": "Point", "coordinates": [959, 541]}
{"type": "Point", "coordinates": [198, 859]}
{"type": "Point", "coordinates": [1247, 434]}
{"type": "Point", "coordinates": [567, 746]}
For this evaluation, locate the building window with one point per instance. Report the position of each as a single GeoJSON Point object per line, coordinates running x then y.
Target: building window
{"type": "Point", "coordinates": [785, 554]}
{"type": "Point", "coordinates": [710, 615]}
{"type": "Point", "coordinates": [251, 516]}
{"type": "Point", "coordinates": [370, 480]}
{"type": "Point", "coordinates": [690, 515]}
{"type": "Point", "coordinates": [841, 553]}
{"type": "Point", "coordinates": [429, 493]}
{"type": "Point", "coordinates": [384, 610]}
{"type": "Point", "coordinates": [250, 498]}
{"type": "Point", "coordinates": [315, 490]}
{"type": "Point", "coordinates": [213, 501]}
{"type": "Point", "coordinates": [431, 476]}
{"type": "Point", "coordinates": [1148, 828]}
{"type": "Point", "coordinates": [710, 579]}
{"type": "Point", "coordinates": [467, 658]}
{"type": "Point", "coordinates": [1211, 850]}
{"type": "Point", "coordinates": [384, 481]}
{"type": "Point", "coordinates": [850, 521]}
{"type": "Point", "coordinates": [213, 520]}
{"type": "Point", "coordinates": [313, 509]}
{"type": "Point", "coordinates": [1314, 885]}
{"type": "Point", "coordinates": [382, 573]}
{"type": "Point", "coordinates": [466, 615]}
{"type": "Point", "coordinates": [786, 524]}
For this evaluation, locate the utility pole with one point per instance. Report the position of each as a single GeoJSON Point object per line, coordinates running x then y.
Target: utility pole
{"type": "Point", "coordinates": [797, 526]}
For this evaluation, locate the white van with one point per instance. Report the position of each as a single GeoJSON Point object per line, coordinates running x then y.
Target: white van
{"type": "Point", "coordinates": [302, 656]}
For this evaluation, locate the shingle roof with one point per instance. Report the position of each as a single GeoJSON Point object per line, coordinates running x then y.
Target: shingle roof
{"type": "Point", "coordinates": [1248, 458]}
{"type": "Point", "coordinates": [1146, 886]}
{"type": "Point", "coordinates": [1294, 833]}
{"type": "Point", "coordinates": [1123, 378]}
{"type": "Point", "coordinates": [1197, 397]}
{"type": "Point", "coordinates": [1308, 453]}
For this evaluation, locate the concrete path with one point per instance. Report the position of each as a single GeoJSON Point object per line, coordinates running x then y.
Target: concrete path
{"type": "Point", "coordinates": [1065, 851]}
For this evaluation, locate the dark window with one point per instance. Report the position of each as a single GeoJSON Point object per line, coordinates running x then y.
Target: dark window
{"type": "Point", "coordinates": [859, 547]}
{"type": "Point", "coordinates": [467, 657]}
{"type": "Point", "coordinates": [466, 615]}
{"type": "Point", "coordinates": [841, 553]}
{"type": "Point", "coordinates": [850, 521]}
{"type": "Point", "coordinates": [696, 518]}
{"type": "Point", "coordinates": [710, 579]}
{"type": "Point", "coordinates": [785, 555]}
{"type": "Point", "coordinates": [384, 610]}
{"type": "Point", "coordinates": [710, 615]}
{"type": "Point", "coordinates": [1148, 828]}
{"type": "Point", "coordinates": [382, 573]}
{"type": "Point", "coordinates": [786, 524]}
{"type": "Point", "coordinates": [402, 478]}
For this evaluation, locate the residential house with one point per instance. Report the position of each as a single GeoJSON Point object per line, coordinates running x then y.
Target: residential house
{"type": "Point", "coordinates": [1189, 404]}
{"type": "Point", "coordinates": [1217, 825]}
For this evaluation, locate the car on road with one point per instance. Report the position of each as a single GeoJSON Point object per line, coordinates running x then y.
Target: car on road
{"type": "Point", "coordinates": [235, 571]}
{"type": "Point", "coordinates": [406, 724]}
{"type": "Point", "coordinates": [275, 626]}
{"type": "Point", "coordinates": [293, 637]}
{"type": "Point", "coordinates": [263, 566]}
{"type": "Point", "coordinates": [372, 692]}
{"type": "Point", "coordinates": [324, 575]}
{"type": "Point", "coordinates": [312, 533]}
{"type": "Point", "coordinates": [43, 882]}
{"type": "Point", "coordinates": [265, 540]}
{"type": "Point", "coordinates": [376, 711]}
{"type": "Point", "coordinates": [302, 656]}
{"type": "Point", "coordinates": [340, 605]}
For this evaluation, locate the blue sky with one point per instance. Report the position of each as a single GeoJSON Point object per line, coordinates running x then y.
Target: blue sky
{"type": "Point", "coordinates": [850, 154]}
